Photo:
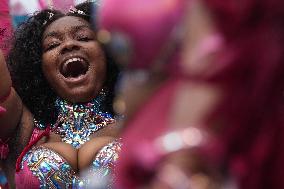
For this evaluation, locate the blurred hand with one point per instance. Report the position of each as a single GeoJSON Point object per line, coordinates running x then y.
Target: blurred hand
{"type": "Point", "coordinates": [2, 110]}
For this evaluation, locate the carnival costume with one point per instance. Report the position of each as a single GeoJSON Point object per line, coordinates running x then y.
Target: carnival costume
{"type": "Point", "coordinates": [41, 167]}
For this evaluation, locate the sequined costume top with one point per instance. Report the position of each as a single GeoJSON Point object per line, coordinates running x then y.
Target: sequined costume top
{"type": "Point", "coordinates": [41, 167]}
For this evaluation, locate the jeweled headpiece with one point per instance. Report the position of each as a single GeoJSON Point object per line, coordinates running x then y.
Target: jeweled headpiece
{"type": "Point", "coordinates": [50, 15]}
{"type": "Point", "coordinates": [77, 11]}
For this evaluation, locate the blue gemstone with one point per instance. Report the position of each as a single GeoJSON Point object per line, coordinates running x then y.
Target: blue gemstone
{"type": "Point", "coordinates": [65, 167]}
{"type": "Point", "coordinates": [65, 126]}
{"type": "Point", "coordinates": [96, 164]}
{"type": "Point", "coordinates": [70, 135]}
{"type": "Point", "coordinates": [93, 126]}
{"type": "Point", "coordinates": [77, 137]}
{"type": "Point", "coordinates": [75, 144]}
{"type": "Point", "coordinates": [44, 167]}
{"type": "Point", "coordinates": [34, 158]}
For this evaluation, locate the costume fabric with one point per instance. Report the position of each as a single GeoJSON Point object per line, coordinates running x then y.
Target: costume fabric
{"type": "Point", "coordinates": [42, 167]}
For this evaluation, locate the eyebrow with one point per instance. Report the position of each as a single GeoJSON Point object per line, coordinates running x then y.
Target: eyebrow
{"type": "Point", "coordinates": [80, 27]}
{"type": "Point", "coordinates": [51, 34]}
{"type": "Point", "coordinates": [74, 29]}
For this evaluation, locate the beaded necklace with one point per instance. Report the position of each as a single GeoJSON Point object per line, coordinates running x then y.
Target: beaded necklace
{"type": "Point", "coordinates": [77, 122]}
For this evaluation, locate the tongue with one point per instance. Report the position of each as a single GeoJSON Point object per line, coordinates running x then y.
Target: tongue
{"type": "Point", "coordinates": [74, 69]}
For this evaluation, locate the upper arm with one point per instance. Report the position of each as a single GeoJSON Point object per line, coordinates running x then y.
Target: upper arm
{"type": "Point", "coordinates": [9, 100]}
{"type": "Point", "coordinates": [5, 79]}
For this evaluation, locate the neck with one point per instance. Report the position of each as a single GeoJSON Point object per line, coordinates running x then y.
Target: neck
{"type": "Point", "coordinates": [77, 121]}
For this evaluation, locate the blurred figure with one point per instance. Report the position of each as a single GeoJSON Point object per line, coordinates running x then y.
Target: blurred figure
{"type": "Point", "coordinates": [204, 107]}
{"type": "Point", "coordinates": [5, 26]}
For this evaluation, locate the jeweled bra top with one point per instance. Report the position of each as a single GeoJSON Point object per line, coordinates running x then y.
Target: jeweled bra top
{"type": "Point", "coordinates": [41, 167]}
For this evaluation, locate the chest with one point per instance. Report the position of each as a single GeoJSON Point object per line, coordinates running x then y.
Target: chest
{"type": "Point", "coordinates": [80, 159]}
{"type": "Point", "coordinates": [59, 164]}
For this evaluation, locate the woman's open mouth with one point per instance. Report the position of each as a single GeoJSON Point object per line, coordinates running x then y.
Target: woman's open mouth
{"type": "Point", "coordinates": [74, 68]}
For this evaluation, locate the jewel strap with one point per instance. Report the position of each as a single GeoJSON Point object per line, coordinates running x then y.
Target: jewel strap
{"type": "Point", "coordinates": [46, 132]}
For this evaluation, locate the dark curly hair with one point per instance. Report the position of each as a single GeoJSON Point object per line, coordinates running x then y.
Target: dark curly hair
{"type": "Point", "coordinates": [25, 61]}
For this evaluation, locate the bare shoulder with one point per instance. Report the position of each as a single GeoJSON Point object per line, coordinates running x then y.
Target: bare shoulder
{"type": "Point", "coordinates": [27, 126]}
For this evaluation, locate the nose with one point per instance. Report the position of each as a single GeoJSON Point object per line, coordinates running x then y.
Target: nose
{"type": "Point", "coordinates": [69, 45]}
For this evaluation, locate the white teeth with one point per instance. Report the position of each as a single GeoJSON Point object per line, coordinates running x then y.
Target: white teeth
{"type": "Point", "coordinates": [74, 60]}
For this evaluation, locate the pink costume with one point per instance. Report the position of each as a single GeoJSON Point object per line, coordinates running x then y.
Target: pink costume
{"type": "Point", "coordinates": [5, 25]}
{"type": "Point", "coordinates": [41, 167]}
{"type": "Point", "coordinates": [249, 143]}
{"type": "Point", "coordinates": [150, 26]}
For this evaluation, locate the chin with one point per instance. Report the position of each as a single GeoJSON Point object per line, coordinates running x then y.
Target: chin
{"type": "Point", "coordinates": [81, 95]}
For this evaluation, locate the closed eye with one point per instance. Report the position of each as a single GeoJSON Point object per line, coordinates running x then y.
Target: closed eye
{"type": "Point", "coordinates": [51, 46]}
{"type": "Point", "coordinates": [84, 38]}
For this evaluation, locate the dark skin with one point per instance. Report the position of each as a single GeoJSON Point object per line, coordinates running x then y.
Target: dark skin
{"type": "Point", "coordinates": [67, 38]}
{"type": "Point", "coordinates": [71, 37]}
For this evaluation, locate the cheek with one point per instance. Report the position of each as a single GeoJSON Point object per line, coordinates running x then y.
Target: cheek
{"type": "Point", "coordinates": [49, 60]}
{"type": "Point", "coordinates": [94, 49]}
{"type": "Point", "coordinates": [100, 62]}
{"type": "Point", "coordinates": [48, 68]}
{"type": "Point", "coordinates": [103, 69]}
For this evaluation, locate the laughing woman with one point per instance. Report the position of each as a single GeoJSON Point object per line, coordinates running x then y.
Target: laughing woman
{"type": "Point", "coordinates": [57, 122]}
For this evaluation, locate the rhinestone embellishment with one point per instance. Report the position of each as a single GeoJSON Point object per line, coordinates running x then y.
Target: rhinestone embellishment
{"type": "Point", "coordinates": [77, 122]}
